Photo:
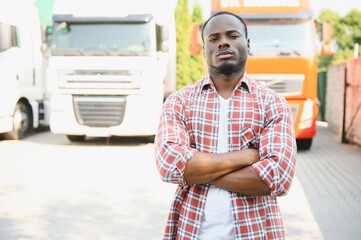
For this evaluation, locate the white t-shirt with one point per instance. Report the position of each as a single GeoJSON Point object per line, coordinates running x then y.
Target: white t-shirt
{"type": "Point", "coordinates": [217, 217]}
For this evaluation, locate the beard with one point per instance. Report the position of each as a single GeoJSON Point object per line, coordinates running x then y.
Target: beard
{"type": "Point", "coordinates": [227, 68]}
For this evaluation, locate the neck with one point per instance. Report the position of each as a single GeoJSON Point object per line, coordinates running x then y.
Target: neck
{"type": "Point", "coordinates": [225, 84]}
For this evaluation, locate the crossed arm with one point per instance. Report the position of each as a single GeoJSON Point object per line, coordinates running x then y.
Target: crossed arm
{"type": "Point", "coordinates": [240, 171]}
{"type": "Point", "coordinates": [231, 171]}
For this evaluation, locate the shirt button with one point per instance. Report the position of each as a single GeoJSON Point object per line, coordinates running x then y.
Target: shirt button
{"type": "Point", "coordinates": [197, 223]}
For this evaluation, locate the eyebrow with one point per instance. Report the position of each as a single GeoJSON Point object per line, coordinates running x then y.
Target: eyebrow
{"type": "Point", "coordinates": [227, 32]}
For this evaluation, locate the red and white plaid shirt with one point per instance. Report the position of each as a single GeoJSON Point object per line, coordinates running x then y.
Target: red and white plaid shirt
{"type": "Point", "coordinates": [258, 118]}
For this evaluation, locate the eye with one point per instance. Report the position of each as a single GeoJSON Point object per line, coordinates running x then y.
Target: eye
{"type": "Point", "coordinates": [212, 39]}
{"type": "Point", "coordinates": [234, 36]}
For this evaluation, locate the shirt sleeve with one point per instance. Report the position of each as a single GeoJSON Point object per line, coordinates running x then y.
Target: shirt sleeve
{"type": "Point", "coordinates": [172, 143]}
{"type": "Point", "coordinates": [277, 148]}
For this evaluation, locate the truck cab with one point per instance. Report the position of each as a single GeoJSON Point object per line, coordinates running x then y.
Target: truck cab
{"type": "Point", "coordinates": [22, 97]}
{"type": "Point", "coordinates": [109, 69]}
{"type": "Point", "coordinates": [283, 54]}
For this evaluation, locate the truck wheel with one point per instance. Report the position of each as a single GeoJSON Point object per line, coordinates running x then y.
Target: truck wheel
{"type": "Point", "coordinates": [22, 123]}
{"type": "Point", "coordinates": [304, 144]}
{"type": "Point", "coordinates": [76, 138]}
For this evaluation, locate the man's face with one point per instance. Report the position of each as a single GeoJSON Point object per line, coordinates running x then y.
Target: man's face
{"type": "Point", "coordinates": [225, 44]}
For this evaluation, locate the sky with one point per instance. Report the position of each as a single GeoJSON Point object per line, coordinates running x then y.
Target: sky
{"type": "Point", "coordinates": [342, 7]}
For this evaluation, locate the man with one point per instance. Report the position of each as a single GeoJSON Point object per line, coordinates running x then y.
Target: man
{"type": "Point", "coordinates": [229, 144]}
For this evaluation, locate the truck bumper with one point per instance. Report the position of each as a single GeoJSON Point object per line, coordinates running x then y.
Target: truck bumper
{"type": "Point", "coordinates": [141, 118]}
{"type": "Point", "coordinates": [304, 116]}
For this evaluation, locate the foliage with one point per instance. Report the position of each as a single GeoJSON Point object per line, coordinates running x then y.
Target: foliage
{"type": "Point", "coordinates": [197, 62]}
{"type": "Point", "coordinates": [346, 32]}
{"type": "Point", "coordinates": [189, 68]}
{"type": "Point", "coordinates": [183, 34]}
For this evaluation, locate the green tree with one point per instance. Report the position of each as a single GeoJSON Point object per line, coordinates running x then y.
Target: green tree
{"type": "Point", "coordinates": [350, 33]}
{"type": "Point", "coordinates": [183, 32]}
{"type": "Point", "coordinates": [346, 32]}
{"type": "Point", "coordinates": [197, 62]}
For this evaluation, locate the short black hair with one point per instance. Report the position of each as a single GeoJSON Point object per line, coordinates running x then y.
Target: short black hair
{"type": "Point", "coordinates": [224, 12]}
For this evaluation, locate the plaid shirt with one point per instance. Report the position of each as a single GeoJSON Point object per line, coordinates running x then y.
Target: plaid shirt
{"type": "Point", "coordinates": [258, 118]}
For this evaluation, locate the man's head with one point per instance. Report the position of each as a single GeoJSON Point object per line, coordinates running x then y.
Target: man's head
{"type": "Point", "coordinates": [220, 13]}
{"type": "Point", "coordinates": [226, 43]}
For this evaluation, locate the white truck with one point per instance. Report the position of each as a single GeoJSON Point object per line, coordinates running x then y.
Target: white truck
{"type": "Point", "coordinates": [22, 86]}
{"type": "Point", "coordinates": [111, 64]}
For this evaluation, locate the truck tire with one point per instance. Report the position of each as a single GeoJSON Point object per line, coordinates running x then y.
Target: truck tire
{"type": "Point", "coordinates": [22, 122]}
{"type": "Point", "coordinates": [76, 138]}
{"type": "Point", "coordinates": [304, 144]}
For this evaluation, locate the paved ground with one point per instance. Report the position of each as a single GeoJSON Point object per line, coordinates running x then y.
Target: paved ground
{"type": "Point", "coordinates": [51, 189]}
{"type": "Point", "coordinates": [325, 201]}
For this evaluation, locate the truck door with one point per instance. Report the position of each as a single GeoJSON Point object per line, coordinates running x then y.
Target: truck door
{"type": "Point", "coordinates": [9, 74]}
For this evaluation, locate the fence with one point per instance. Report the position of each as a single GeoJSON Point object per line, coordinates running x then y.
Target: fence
{"type": "Point", "coordinates": [343, 97]}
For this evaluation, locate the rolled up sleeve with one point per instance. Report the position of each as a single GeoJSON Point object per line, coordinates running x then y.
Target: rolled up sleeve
{"type": "Point", "coordinates": [172, 144]}
{"type": "Point", "coordinates": [277, 148]}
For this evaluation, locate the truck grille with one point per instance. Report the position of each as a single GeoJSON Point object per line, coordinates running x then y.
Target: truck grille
{"type": "Point", "coordinates": [100, 79]}
{"type": "Point", "coordinates": [285, 84]}
{"type": "Point", "coordinates": [99, 111]}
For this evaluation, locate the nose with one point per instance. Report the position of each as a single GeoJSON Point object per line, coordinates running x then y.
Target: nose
{"type": "Point", "coordinates": [223, 43]}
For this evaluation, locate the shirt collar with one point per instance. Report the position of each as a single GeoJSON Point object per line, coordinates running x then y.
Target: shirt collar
{"type": "Point", "coordinates": [243, 82]}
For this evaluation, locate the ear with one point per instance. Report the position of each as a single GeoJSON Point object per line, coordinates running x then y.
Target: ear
{"type": "Point", "coordinates": [248, 44]}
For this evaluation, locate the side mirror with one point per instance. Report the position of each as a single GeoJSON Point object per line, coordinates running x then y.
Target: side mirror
{"type": "Point", "coordinates": [164, 33]}
{"type": "Point", "coordinates": [326, 39]}
{"type": "Point", "coordinates": [5, 37]}
{"type": "Point", "coordinates": [164, 47]}
{"type": "Point", "coordinates": [196, 41]}
{"type": "Point", "coordinates": [44, 48]}
{"type": "Point", "coordinates": [47, 31]}
{"type": "Point", "coordinates": [162, 38]}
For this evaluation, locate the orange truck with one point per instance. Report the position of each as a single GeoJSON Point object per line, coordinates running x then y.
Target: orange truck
{"type": "Point", "coordinates": [283, 54]}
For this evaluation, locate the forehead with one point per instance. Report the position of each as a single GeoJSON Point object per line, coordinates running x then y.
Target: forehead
{"type": "Point", "coordinates": [223, 22]}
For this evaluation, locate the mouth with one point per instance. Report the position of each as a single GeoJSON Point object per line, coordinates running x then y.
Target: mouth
{"type": "Point", "coordinates": [223, 54]}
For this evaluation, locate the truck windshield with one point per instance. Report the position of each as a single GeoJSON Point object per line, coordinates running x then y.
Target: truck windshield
{"type": "Point", "coordinates": [101, 39]}
{"type": "Point", "coordinates": [281, 37]}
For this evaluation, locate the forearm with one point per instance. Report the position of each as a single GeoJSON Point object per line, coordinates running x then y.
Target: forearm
{"type": "Point", "coordinates": [244, 181]}
{"type": "Point", "coordinates": [205, 167]}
